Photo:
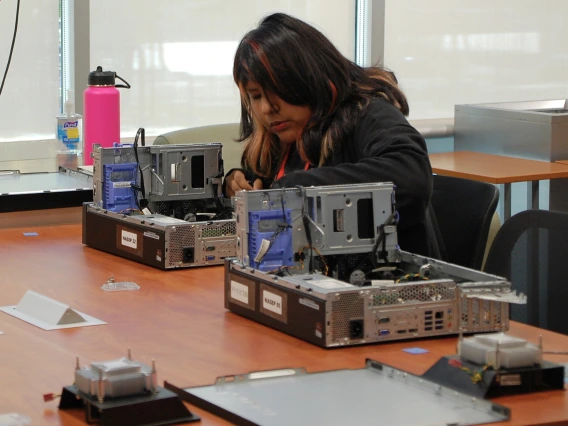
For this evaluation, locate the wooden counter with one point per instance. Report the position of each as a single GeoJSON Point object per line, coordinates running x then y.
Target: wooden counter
{"type": "Point", "coordinates": [178, 319]}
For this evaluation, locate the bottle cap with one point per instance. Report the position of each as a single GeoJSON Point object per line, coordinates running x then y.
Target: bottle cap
{"type": "Point", "coordinates": [69, 106]}
{"type": "Point", "coordinates": [101, 78]}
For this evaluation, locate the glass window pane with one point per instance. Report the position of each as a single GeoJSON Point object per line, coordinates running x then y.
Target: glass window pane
{"type": "Point", "coordinates": [178, 54]}
{"type": "Point", "coordinates": [30, 99]}
{"type": "Point", "coordinates": [447, 52]}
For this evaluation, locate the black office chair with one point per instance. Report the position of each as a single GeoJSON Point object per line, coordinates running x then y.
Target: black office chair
{"type": "Point", "coordinates": [531, 250]}
{"type": "Point", "coordinates": [464, 209]}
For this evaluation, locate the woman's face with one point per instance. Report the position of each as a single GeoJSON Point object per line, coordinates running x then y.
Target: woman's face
{"type": "Point", "coordinates": [285, 120]}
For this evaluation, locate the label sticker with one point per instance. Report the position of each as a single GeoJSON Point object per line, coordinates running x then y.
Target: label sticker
{"type": "Point", "coordinates": [129, 239]}
{"type": "Point", "coordinates": [68, 132]}
{"type": "Point", "coordinates": [239, 292]}
{"type": "Point", "coordinates": [121, 185]}
{"type": "Point", "coordinates": [272, 302]}
{"type": "Point", "coordinates": [510, 379]}
{"type": "Point", "coordinates": [319, 330]}
{"type": "Point", "coordinates": [264, 246]}
{"type": "Point", "coordinates": [309, 303]}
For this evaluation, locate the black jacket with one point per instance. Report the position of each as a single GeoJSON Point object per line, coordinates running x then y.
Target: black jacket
{"type": "Point", "coordinates": [384, 147]}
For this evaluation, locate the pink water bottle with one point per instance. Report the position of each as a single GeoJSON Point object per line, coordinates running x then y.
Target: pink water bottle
{"type": "Point", "coordinates": [101, 111]}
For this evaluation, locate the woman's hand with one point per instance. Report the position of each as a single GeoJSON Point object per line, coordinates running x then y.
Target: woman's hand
{"type": "Point", "coordinates": [237, 181]}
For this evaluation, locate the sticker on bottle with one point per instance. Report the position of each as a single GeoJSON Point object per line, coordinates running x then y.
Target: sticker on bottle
{"type": "Point", "coordinates": [72, 132]}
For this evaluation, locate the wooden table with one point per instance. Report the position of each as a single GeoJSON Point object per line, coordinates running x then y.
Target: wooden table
{"type": "Point", "coordinates": [177, 318]}
{"type": "Point", "coordinates": [498, 169]}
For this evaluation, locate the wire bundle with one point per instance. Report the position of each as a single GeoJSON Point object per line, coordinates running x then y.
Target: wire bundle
{"type": "Point", "coordinates": [476, 375]}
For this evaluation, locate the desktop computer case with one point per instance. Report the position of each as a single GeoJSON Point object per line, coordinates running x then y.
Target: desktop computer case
{"type": "Point", "coordinates": [159, 241]}
{"type": "Point", "coordinates": [336, 302]}
{"type": "Point", "coordinates": [332, 313]}
{"type": "Point", "coordinates": [176, 177]}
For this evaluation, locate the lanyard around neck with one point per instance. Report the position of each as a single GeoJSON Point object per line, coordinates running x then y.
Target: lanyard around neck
{"type": "Point", "coordinates": [281, 172]}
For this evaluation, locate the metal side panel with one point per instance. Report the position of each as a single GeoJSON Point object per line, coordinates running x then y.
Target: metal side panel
{"type": "Point", "coordinates": [376, 394]}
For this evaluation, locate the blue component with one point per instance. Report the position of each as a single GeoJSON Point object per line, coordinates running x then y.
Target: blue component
{"type": "Point", "coordinates": [118, 194]}
{"type": "Point", "coordinates": [122, 145]}
{"type": "Point", "coordinates": [263, 225]}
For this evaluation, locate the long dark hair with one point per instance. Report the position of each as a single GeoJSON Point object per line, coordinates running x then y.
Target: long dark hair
{"type": "Point", "coordinates": [293, 60]}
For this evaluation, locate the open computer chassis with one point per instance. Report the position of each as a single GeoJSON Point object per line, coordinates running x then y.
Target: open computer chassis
{"type": "Point", "coordinates": [359, 286]}
{"type": "Point", "coordinates": [157, 240]}
{"type": "Point", "coordinates": [160, 205]}
{"type": "Point", "coordinates": [328, 312]}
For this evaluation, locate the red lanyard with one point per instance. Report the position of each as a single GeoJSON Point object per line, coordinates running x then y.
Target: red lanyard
{"type": "Point", "coordinates": [283, 165]}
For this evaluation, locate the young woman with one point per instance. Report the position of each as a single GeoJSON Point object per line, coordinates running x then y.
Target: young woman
{"type": "Point", "coordinates": [309, 116]}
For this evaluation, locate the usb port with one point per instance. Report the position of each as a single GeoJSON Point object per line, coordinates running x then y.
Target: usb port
{"type": "Point", "coordinates": [439, 327]}
{"type": "Point", "coordinates": [427, 328]}
{"type": "Point", "coordinates": [428, 323]}
{"type": "Point", "coordinates": [413, 330]}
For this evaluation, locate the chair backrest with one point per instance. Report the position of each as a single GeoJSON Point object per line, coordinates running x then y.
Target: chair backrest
{"type": "Point", "coordinates": [464, 209]}
{"type": "Point", "coordinates": [531, 250]}
{"type": "Point", "coordinates": [224, 133]}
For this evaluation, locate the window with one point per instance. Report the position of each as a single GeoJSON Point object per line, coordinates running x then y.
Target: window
{"type": "Point", "coordinates": [178, 55]}
{"type": "Point", "coordinates": [30, 99]}
{"type": "Point", "coordinates": [447, 52]}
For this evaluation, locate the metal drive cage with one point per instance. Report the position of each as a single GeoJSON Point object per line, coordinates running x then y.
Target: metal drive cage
{"type": "Point", "coordinates": [171, 178]}
{"type": "Point", "coordinates": [324, 228]}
